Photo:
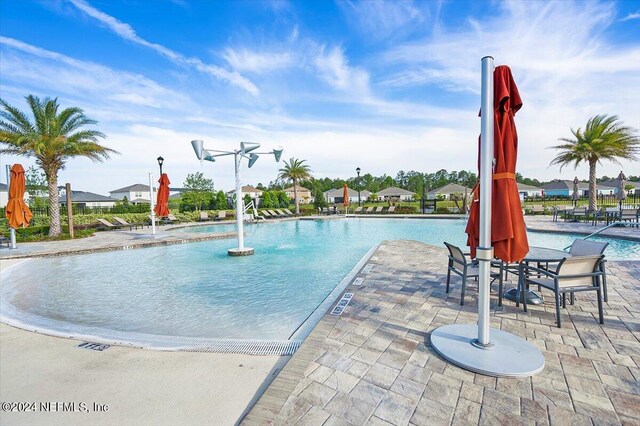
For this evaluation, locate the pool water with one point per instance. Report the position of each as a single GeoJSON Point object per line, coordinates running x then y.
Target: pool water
{"type": "Point", "coordinates": [196, 290]}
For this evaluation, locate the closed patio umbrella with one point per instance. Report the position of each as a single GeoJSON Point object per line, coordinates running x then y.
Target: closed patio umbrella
{"type": "Point", "coordinates": [345, 197]}
{"type": "Point", "coordinates": [162, 202]}
{"type": "Point", "coordinates": [576, 191]}
{"type": "Point", "coordinates": [621, 194]}
{"type": "Point", "coordinates": [17, 211]}
{"type": "Point", "coordinates": [508, 230]}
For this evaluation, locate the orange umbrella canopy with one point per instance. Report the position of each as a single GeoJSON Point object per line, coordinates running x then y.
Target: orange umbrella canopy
{"type": "Point", "coordinates": [345, 195]}
{"type": "Point", "coordinates": [508, 230]}
{"type": "Point", "coordinates": [162, 202]}
{"type": "Point", "coordinates": [17, 211]}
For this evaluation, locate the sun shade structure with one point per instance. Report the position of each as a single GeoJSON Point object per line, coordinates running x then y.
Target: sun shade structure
{"type": "Point", "coordinates": [474, 347]}
{"type": "Point", "coordinates": [162, 201]}
{"type": "Point", "coordinates": [17, 211]}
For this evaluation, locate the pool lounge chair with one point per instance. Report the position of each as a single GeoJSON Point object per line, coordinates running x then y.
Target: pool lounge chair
{"type": "Point", "coordinates": [266, 214]}
{"type": "Point", "coordinates": [369, 210]}
{"type": "Point", "coordinates": [281, 213]}
{"type": "Point", "coordinates": [204, 216]}
{"type": "Point", "coordinates": [222, 215]}
{"type": "Point", "coordinates": [379, 209]}
{"type": "Point", "coordinates": [289, 212]}
{"type": "Point", "coordinates": [170, 219]}
{"type": "Point", "coordinates": [358, 210]}
{"type": "Point", "coordinates": [274, 214]}
{"type": "Point", "coordinates": [108, 225]}
{"type": "Point", "coordinates": [537, 209]}
{"type": "Point", "coordinates": [391, 209]}
{"type": "Point", "coordinates": [125, 223]}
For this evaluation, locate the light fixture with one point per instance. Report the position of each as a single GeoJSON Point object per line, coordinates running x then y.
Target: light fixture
{"type": "Point", "coordinates": [197, 148]}
{"type": "Point", "coordinates": [160, 162]}
{"type": "Point", "coordinates": [252, 159]}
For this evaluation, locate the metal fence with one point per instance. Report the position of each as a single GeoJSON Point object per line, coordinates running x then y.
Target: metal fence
{"type": "Point", "coordinates": [632, 200]}
{"type": "Point", "coordinates": [81, 210]}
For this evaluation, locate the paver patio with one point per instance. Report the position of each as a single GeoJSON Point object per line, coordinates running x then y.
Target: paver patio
{"type": "Point", "coordinates": [374, 363]}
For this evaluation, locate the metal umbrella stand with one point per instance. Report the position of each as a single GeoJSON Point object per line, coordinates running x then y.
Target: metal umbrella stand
{"type": "Point", "coordinates": [479, 348]}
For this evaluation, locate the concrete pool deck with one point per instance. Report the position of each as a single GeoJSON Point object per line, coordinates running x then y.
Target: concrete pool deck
{"type": "Point", "coordinates": [371, 364]}
{"type": "Point", "coordinates": [374, 364]}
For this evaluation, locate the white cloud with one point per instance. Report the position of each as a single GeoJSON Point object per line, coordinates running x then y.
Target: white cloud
{"type": "Point", "coordinates": [126, 32]}
{"type": "Point", "coordinates": [379, 19]}
{"type": "Point", "coordinates": [258, 62]}
{"type": "Point", "coordinates": [334, 68]}
{"type": "Point", "coordinates": [631, 16]}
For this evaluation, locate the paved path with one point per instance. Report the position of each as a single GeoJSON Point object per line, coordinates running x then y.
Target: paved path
{"type": "Point", "coordinates": [374, 363]}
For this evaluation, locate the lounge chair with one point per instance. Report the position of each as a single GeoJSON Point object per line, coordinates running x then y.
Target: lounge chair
{"type": "Point", "coordinates": [379, 209]}
{"type": "Point", "coordinates": [274, 214]}
{"type": "Point", "coordinates": [289, 212]}
{"type": "Point", "coordinates": [170, 219]}
{"type": "Point", "coordinates": [281, 213]}
{"type": "Point", "coordinates": [222, 215]}
{"type": "Point", "coordinates": [460, 265]}
{"type": "Point", "coordinates": [125, 223]}
{"type": "Point", "coordinates": [369, 210]}
{"type": "Point", "coordinates": [204, 216]}
{"type": "Point", "coordinates": [573, 274]}
{"type": "Point", "coordinates": [391, 209]}
{"type": "Point", "coordinates": [5, 241]}
{"type": "Point", "coordinates": [537, 209]}
{"type": "Point", "coordinates": [358, 210]}
{"type": "Point", "coordinates": [108, 225]}
{"type": "Point", "coordinates": [266, 214]}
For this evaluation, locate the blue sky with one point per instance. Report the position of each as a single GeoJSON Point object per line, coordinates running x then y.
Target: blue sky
{"type": "Point", "coordinates": [377, 84]}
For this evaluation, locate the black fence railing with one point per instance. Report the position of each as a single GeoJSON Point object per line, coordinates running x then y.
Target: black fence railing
{"type": "Point", "coordinates": [82, 210]}
{"type": "Point", "coordinates": [632, 200]}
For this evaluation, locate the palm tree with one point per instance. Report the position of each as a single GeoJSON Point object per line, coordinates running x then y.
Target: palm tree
{"type": "Point", "coordinates": [52, 138]}
{"type": "Point", "coordinates": [604, 138]}
{"type": "Point", "coordinates": [295, 171]}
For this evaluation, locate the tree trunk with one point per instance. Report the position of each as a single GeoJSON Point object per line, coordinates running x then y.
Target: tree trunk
{"type": "Point", "coordinates": [54, 206]}
{"type": "Point", "coordinates": [593, 193]}
{"type": "Point", "coordinates": [295, 195]}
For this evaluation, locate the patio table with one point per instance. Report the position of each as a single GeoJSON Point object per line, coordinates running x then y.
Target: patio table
{"type": "Point", "coordinates": [536, 255]}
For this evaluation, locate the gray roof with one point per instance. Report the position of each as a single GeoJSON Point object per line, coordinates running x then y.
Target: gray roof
{"type": "Point", "coordinates": [339, 192]}
{"type": "Point", "coordinates": [568, 184]}
{"type": "Point", "coordinates": [87, 197]}
{"type": "Point", "coordinates": [135, 187]}
{"type": "Point", "coordinates": [394, 191]}
{"type": "Point", "coordinates": [523, 187]}
{"type": "Point", "coordinates": [614, 183]}
{"type": "Point", "coordinates": [450, 188]}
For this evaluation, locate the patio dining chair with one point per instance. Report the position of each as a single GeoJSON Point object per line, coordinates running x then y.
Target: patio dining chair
{"type": "Point", "coordinates": [580, 213]}
{"type": "Point", "coordinates": [630, 215]}
{"type": "Point", "coordinates": [582, 247]}
{"type": "Point", "coordinates": [573, 274]}
{"type": "Point", "coordinates": [460, 265]}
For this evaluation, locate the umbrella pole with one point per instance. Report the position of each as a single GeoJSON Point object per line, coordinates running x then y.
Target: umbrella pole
{"type": "Point", "coordinates": [153, 210]}
{"type": "Point", "coordinates": [472, 346]}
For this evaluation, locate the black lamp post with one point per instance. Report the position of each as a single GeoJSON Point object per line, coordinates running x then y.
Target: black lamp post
{"type": "Point", "coordinates": [160, 161]}
{"type": "Point", "coordinates": [358, 172]}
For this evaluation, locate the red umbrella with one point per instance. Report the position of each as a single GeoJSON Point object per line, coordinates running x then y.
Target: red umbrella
{"type": "Point", "coordinates": [162, 202]}
{"type": "Point", "coordinates": [508, 230]}
{"type": "Point", "coordinates": [345, 197]}
{"type": "Point", "coordinates": [17, 211]}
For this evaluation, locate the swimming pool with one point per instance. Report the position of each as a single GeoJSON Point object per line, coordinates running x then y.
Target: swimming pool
{"type": "Point", "coordinates": [196, 291]}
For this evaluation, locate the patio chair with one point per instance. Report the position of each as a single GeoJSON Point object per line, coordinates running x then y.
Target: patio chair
{"type": "Point", "coordinates": [358, 210]}
{"type": "Point", "coordinates": [265, 214]}
{"type": "Point", "coordinates": [391, 209]}
{"type": "Point", "coordinates": [536, 208]}
{"type": "Point", "coordinates": [274, 214]}
{"type": "Point", "coordinates": [369, 210]}
{"type": "Point", "coordinates": [460, 265]}
{"type": "Point", "coordinates": [582, 247]}
{"type": "Point", "coordinates": [5, 241]}
{"type": "Point", "coordinates": [580, 213]}
{"type": "Point", "coordinates": [170, 219]}
{"type": "Point", "coordinates": [204, 216]}
{"type": "Point", "coordinates": [222, 215]}
{"type": "Point", "coordinates": [379, 209]}
{"type": "Point", "coordinates": [125, 223]}
{"type": "Point", "coordinates": [108, 225]}
{"type": "Point", "coordinates": [573, 274]}
{"type": "Point", "coordinates": [289, 212]}
{"type": "Point", "coordinates": [282, 213]}
{"type": "Point", "coordinates": [557, 210]}
{"type": "Point", "coordinates": [630, 215]}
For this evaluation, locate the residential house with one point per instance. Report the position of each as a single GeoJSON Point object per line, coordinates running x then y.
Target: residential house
{"type": "Point", "coordinates": [613, 184]}
{"type": "Point", "coordinates": [395, 193]}
{"type": "Point", "coordinates": [446, 191]}
{"type": "Point", "coordinates": [87, 199]}
{"type": "Point", "coordinates": [336, 196]}
{"type": "Point", "coordinates": [4, 195]}
{"type": "Point", "coordinates": [564, 188]}
{"type": "Point", "coordinates": [247, 190]}
{"type": "Point", "coordinates": [136, 194]}
{"type": "Point", "coordinates": [527, 191]}
{"type": "Point", "coordinates": [304, 195]}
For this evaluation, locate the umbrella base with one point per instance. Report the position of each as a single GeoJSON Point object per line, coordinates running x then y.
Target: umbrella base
{"type": "Point", "coordinates": [533, 298]}
{"type": "Point", "coordinates": [508, 356]}
{"type": "Point", "coordinates": [247, 251]}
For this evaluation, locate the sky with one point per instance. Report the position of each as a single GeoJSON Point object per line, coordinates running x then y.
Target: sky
{"type": "Point", "coordinates": [380, 85]}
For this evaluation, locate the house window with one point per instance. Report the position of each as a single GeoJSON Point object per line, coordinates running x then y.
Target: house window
{"type": "Point", "coordinates": [138, 194]}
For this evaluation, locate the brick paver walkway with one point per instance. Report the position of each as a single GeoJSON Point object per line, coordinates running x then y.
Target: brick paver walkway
{"type": "Point", "coordinates": [374, 364]}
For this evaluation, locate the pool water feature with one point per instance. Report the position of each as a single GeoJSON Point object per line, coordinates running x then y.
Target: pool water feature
{"type": "Point", "coordinates": [195, 290]}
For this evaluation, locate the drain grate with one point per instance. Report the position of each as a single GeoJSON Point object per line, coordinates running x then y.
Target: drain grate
{"type": "Point", "coordinates": [358, 281]}
{"type": "Point", "coordinates": [344, 301]}
{"type": "Point", "coordinates": [251, 347]}
{"type": "Point", "coordinates": [93, 346]}
{"type": "Point", "coordinates": [367, 268]}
